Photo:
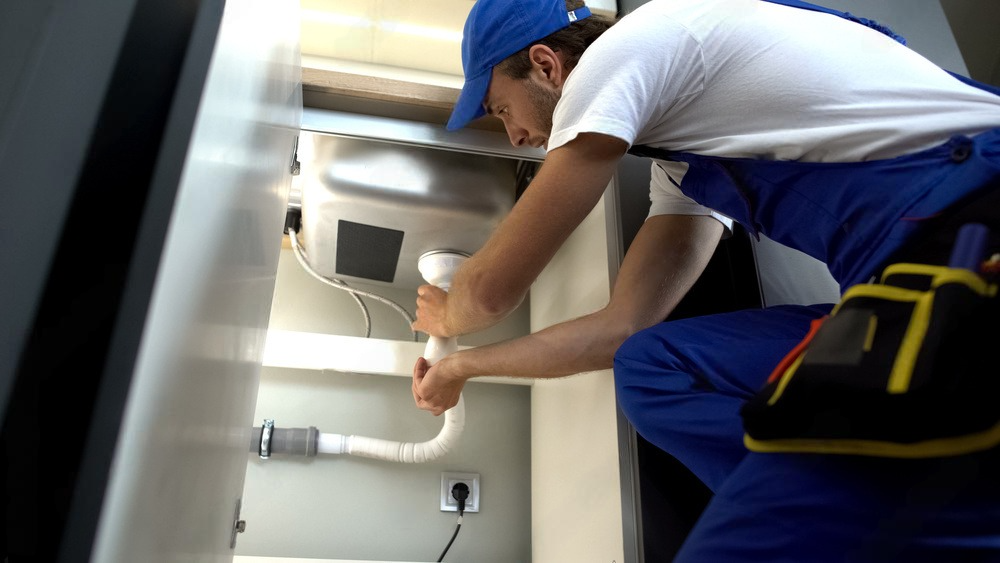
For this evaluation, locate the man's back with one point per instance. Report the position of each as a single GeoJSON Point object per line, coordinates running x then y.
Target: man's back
{"type": "Point", "coordinates": [748, 78]}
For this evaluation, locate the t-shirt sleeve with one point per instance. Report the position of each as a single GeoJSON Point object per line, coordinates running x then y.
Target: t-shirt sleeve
{"type": "Point", "coordinates": [620, 89]}
{"type": "Point", "coordinates": [666, 198]}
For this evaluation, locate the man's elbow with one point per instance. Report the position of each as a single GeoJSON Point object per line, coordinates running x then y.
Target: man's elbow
{"type": "Point", "coordinates": [621, 323]}
{"type": "Point", "coordinates": [496, 302]}
{"type": "Point", "coordinates": [487, 297]}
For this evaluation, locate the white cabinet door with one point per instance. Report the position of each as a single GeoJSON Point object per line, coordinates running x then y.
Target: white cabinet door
{"type": "Point", "coordinates": [181, 455]}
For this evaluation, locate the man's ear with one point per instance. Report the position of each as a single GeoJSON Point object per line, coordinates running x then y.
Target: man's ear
{"type": "Point", "coordinates": [548, 64]}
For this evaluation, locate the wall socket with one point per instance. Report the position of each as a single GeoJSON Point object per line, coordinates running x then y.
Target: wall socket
{"type": "Point", "coordinates": [449, 480]}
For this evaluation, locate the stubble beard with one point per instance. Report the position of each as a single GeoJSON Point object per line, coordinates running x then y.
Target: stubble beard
{"type": "Point", "coordinates": [543, 102]}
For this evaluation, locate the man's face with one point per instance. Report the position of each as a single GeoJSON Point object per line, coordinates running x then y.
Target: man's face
{"type": "Point", "coordinates": [525, 107]}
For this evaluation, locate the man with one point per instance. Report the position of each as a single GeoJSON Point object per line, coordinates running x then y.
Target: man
{"type": "Point", "coordinates": [826, 135]}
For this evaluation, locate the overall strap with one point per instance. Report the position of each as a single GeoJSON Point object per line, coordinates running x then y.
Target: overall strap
{"type": "Point", "coordinates": [971, 82]}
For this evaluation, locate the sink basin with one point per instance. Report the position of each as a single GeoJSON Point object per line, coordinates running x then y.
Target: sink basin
{"type": "Point", "coordinates": [371, 208]}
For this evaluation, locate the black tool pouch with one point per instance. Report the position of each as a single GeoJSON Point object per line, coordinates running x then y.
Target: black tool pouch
{"type": "Point", "coordinates": [901, 368]}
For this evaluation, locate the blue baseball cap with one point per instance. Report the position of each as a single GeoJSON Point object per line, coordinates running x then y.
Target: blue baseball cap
{"type": "Point", "coordinates": [495, 30]}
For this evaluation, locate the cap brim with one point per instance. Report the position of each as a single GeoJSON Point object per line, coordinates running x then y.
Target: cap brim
{"type": "Point", "coordinates": [469, 105]}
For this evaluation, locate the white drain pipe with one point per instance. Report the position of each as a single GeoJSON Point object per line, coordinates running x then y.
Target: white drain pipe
{"type": "Point", "coordinates": [437, 267]}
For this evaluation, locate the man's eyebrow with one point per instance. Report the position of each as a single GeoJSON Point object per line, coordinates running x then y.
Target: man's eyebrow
{"type": "Point", "coordinates": [488, 107]}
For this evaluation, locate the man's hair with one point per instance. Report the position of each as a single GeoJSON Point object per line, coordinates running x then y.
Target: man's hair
{"type": "Point", "coordinates": [571, 41]}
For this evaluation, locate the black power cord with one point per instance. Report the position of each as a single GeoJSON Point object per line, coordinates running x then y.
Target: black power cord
{"type": "Point", "coordinates": [461, 492]}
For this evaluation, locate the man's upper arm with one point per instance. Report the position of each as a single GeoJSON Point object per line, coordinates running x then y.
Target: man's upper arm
{"type": "Point", "coordinates": [567, 187]}
{"type": "Point", "coordinates": [666, 258]}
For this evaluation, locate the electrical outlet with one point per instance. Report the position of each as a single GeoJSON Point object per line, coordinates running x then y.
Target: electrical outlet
{"type": "Point", "coordinates": [449, 480]}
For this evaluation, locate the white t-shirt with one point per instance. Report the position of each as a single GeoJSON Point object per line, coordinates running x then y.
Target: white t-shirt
{"type": "Point", "coordinates": [747, 78]}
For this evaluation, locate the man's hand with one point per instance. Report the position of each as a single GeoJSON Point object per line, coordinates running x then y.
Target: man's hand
{"type": "Point", "coordinates": [432, 307]}
{"type": "Point", "coordinates": [436, 388]}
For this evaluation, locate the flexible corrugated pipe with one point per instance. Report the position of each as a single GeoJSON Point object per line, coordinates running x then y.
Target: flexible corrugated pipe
{"type": "Point", "coordinates": [437, 267]}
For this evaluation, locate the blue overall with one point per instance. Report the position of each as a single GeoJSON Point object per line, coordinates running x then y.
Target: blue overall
{"type": "Point", "coordinates": [682, 383]}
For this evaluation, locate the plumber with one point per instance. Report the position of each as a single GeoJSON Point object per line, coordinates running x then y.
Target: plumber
{"type": "Point", "coordinates": [818, 129]}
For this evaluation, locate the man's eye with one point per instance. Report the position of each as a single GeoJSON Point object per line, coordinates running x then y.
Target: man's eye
{"type": "Point", "coordinates": [503, 110]}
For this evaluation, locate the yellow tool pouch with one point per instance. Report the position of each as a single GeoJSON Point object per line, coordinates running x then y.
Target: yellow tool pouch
{"type": "Point", "coordinates": [901, 368]}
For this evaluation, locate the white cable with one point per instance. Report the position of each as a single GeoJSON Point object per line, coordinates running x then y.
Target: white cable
{"type": "Point", "coordinates": [340, 284]}
{"type": "Point", "coordinates": [302, 260]}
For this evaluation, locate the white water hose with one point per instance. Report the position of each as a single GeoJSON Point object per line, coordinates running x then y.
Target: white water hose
{"type": "Point", "coordinates": [437, 267]}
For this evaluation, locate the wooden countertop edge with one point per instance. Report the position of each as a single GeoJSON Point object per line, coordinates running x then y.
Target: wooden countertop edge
{"type": "Point", "coordinates": [376, 88]}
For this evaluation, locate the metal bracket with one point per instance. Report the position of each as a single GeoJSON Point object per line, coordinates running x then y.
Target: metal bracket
{"type": "Point", "coordinates": [265, 438]}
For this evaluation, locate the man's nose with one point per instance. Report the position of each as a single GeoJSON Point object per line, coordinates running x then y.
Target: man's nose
{"type": "Point", "coordinates": [517, 135]}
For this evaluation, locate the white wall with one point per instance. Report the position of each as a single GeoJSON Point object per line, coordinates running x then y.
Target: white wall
{"type": "Point", "coordinates": [975, 24]}
{"type": "Point", "coordinates": [344, 507]}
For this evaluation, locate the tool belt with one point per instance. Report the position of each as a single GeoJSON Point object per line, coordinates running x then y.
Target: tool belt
{"type": "Point", "coordinates": [906, 368]}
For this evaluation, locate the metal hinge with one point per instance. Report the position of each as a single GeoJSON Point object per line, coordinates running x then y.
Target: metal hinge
{"type": "Point", "coordinates": [296, 166]}
{"type": "Point", "coordinates": [239, 526]}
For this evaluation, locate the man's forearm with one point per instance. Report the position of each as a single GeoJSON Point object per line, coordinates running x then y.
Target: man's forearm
{"type": "Point", "coordinates": [653, 278]}
{"type": "Point", "coordinates": [665, 259]}
{"type": "Point", "coordinates": [579, 345]}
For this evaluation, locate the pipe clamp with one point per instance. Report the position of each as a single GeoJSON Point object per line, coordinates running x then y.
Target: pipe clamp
{"type": "Point", "coordinates": [265, 438]}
